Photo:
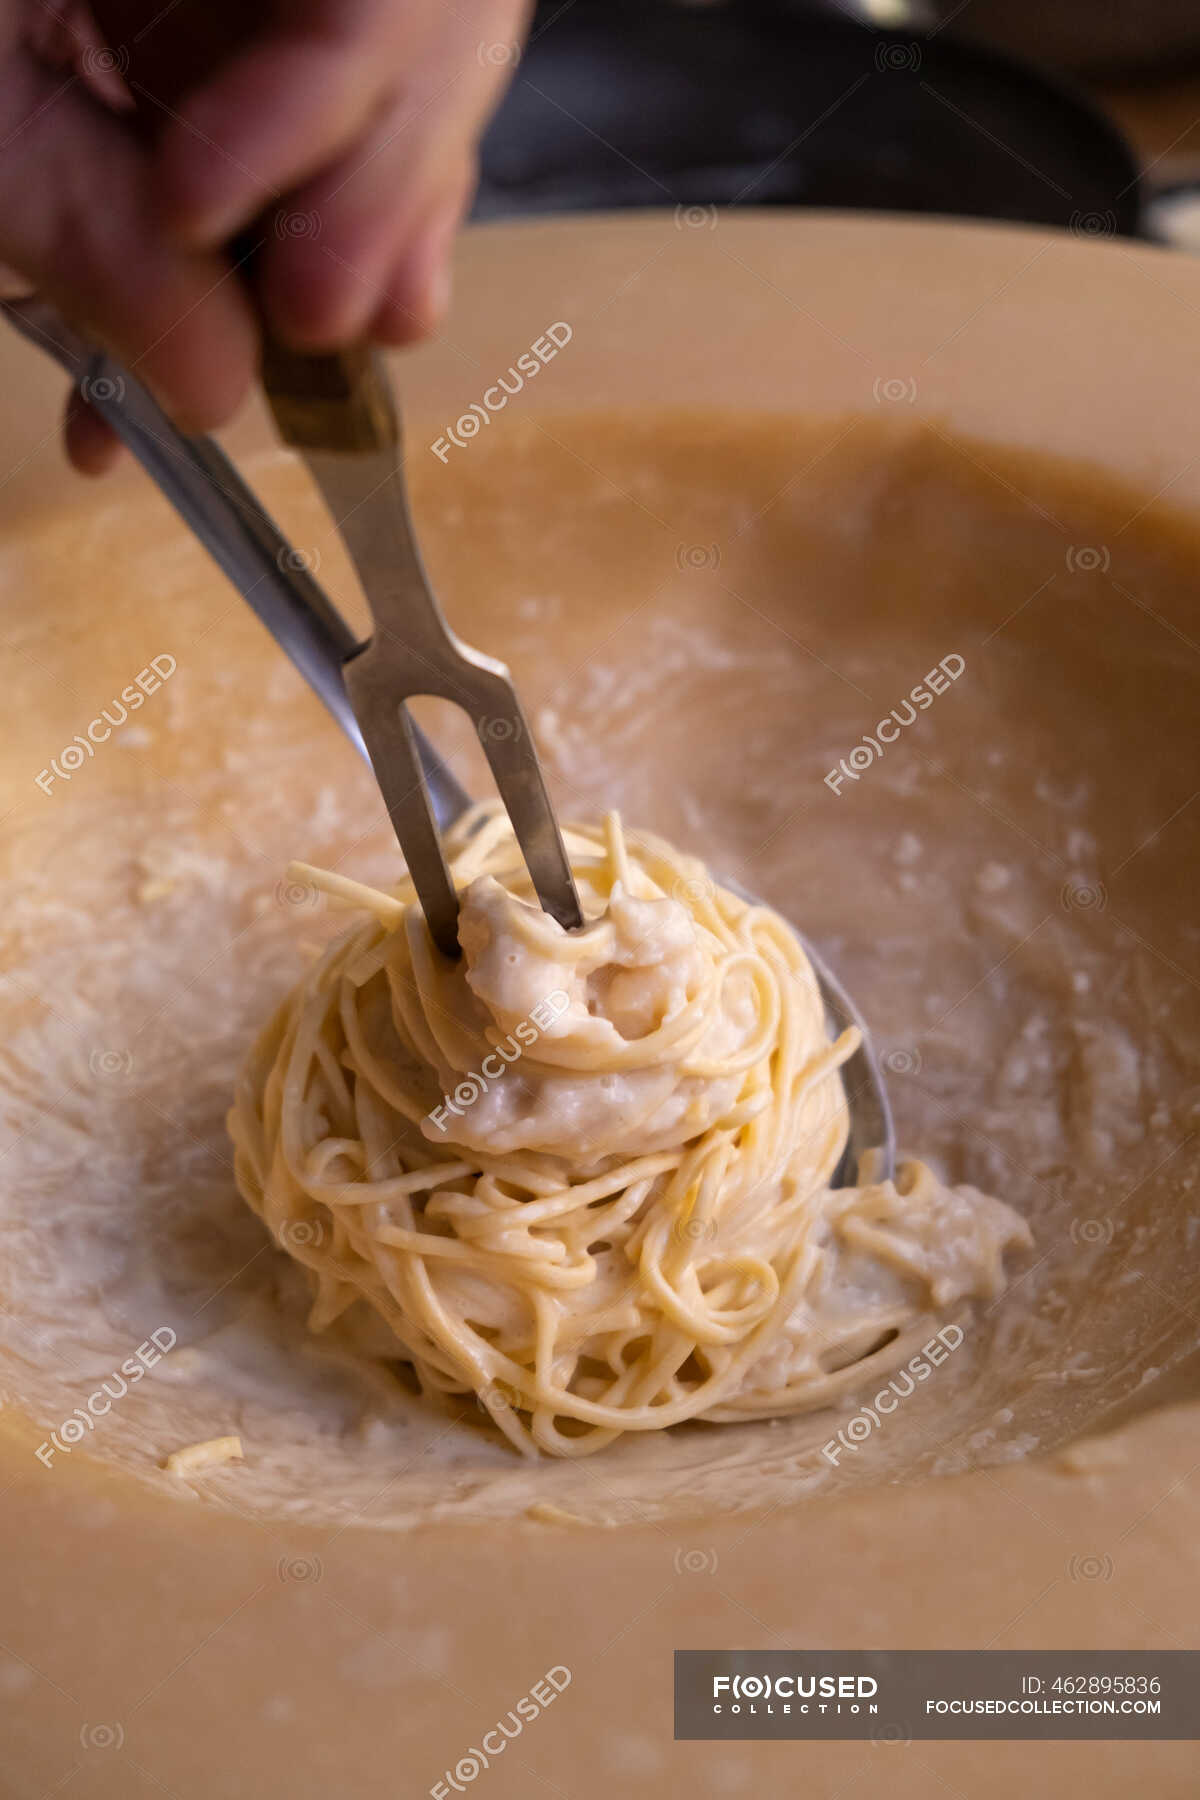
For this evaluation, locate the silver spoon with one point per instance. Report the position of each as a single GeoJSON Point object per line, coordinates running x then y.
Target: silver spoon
{"type": "Point", "coordinates": [357, 464]}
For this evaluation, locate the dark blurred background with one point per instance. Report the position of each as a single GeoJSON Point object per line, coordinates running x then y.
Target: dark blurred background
{"type": "Point", "coordinates": [1083, 114]}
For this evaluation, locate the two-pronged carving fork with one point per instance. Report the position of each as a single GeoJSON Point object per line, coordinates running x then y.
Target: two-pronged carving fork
{"type": "Point", "coordinates": [339, 414]}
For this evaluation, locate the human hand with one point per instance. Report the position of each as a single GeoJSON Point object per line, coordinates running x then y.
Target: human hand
{"type": "Point", "coordinates": [138, 137]}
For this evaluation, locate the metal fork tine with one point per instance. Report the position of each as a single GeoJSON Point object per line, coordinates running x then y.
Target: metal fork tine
{"type": "Point", "coordinates": [397, 765]}
{"type": "Point", "coordinates": [518, 774]}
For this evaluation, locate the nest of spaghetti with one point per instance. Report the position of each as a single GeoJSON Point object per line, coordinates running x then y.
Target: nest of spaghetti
{"type": "Point", "coordinates": [583, 1178]}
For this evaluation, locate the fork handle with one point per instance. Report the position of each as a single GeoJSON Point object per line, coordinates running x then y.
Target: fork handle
{"type": "Point", "coordinates": [341, 401]}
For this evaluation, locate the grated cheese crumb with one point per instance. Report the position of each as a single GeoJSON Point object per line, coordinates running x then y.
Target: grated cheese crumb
{"type": "Point", "coordinates": [207, 1455]}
